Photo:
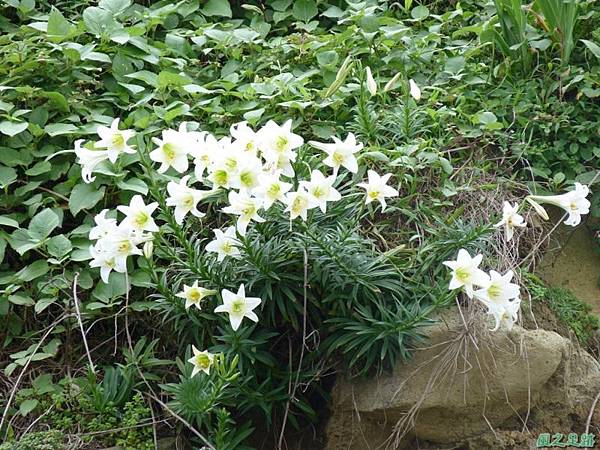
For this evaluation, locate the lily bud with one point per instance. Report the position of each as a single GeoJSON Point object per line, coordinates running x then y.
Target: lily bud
{"type": "Point", "coordinates": [340, 77]}
{"type": "Point", "coordinates": [415, 92]}
{"type": "Point", "coordinates": [371, 83]}
{"type": "Point", "coordinates": [538, 208]}
{"type": "Point", "coordinates": [392, 83]}
{"type": "Point", "coordinates": [148, 249]}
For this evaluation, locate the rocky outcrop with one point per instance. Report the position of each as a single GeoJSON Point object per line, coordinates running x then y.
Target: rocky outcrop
{"type": "Point", "coordinates": [462, 385]}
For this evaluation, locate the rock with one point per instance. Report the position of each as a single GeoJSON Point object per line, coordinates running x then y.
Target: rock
{"type": "Point", "coordinates": [462, 384]}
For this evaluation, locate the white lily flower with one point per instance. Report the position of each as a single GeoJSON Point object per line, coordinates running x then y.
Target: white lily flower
{"type": "Point", "coordinates": [89, 160]}
{"type": "Point", "coordinates": [202, 361]}
{"type": "Point", "coordinates": [104, 226]}
{"type": "Point", "coordinates": [271, 189]}
{"type": "Point", "coordinates": [377, 188]}
{"type": "Point", "coordinates": [573, 202]}
{"type": "Point", "coordinates": [139, 215]}
{"type": "Point", "coordinates": [245, 207]}
{"type": "Point", "coordinates": [298, 203]}
{"type": "Point", "coordinates": [248, 174]}
{"type": "Point", "coordinates": [371, 83]}
{"type": "Point", "coordinates": [204, 153]}
{"type": "Point", "coordinates": [225, 244]}
{"type": "Point", "coordinates": [497, 289]}
{"type": "Point", "coordinates": [172, 151]}
{"type": "Point", "coordinates": [505, 313]}
{"type": "Point", "coordinates": [114, 140]}
{"type": "Point", "coordinates": [415, 92]}
{"type": "Point", "coordinates": [121, 244]}
{"type": "Point", "coordinates": [185, 199]}
{"type": "Point", "coordinates": [277, 144]}
{"type": "Point", "coordinates": [194, 294]}
{"type": "Point", "coordinates": [238, 306]}
{"type": "Point", "coordinates": [340, 153]}
{"type": "Point", "coordinates": [105, 261]}
{"type": "Point", "coordinates": [510, 219]}
{"type": "Point", "coordinates": [466, 272]}
{"type": "Point", "coordinates": [321, 189]}
{"type": "Point", "coordinates": [245, 137]}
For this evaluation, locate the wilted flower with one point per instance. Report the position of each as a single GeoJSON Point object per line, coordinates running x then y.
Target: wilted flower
{"type": "Point", "coordinates": [224, 244]}
{"type": "Point", "coordinates": [139, 215]}
{"type": "Point", "coordinates": [114, 140]}
{"type": "Point", "coordinates": [465, 272]}
{"type": "Point", "coordinates": [340, 153]}
{"type": "Point", "coordinates": [185, 199]}
{"type": "Point", "coordinates": [238, 306]}
{"type": "Point", "coordinates": [573, 202]}
{"type": "Point", "coordinates": [202, 361]}
{"type": "Point", "coordinates": [510, 219]}
{"type": "Point", "coordinates": [371, 83]}
{"type": "Point", "coordinates": [377, 188]}
{"type": "Point", "coordinates": [194, 294]}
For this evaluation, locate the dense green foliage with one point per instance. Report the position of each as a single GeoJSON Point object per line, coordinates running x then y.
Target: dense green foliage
{"type": "Point", "coordinates": [347, 289]}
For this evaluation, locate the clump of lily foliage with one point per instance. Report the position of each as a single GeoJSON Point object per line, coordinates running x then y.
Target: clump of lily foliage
{"type": "Point", "coordinates": [496, 291]}
{"type": "Point", "coordinates": [254, 167]}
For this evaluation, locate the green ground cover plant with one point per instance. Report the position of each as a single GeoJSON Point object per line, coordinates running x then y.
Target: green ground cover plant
{"type": "Point", "coordinates": [462, 104]}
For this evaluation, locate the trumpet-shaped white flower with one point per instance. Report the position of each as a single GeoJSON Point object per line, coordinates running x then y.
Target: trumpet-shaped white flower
{"type": "Point", "coordinates": [340, 153]}
{"type": "Point", "coordinates": [415, 92]}
{"type": "Point", "coordinates": [573, 202]}
{"type": "Point", "coordinates": [245, 207]}
{"type": "Point", "coordinates": [245, 137]}
{"type": "Point", "coordinates": [139, 215]}
{"type": "Point", "coordinates": [114, 140]}
{"type": "Point", "coordinates": [497, 288]}
{"type": "Point", "coordinates": [238, 306]}
{"type": "Point", "coordinates": [298, 203]}
{"type": "Point", "coordinates": [89, 160]}
{"type": "Point", "coordinates": [204, 153]}
{"type": "Point", "coordinates": [377, 188]}
{"type": "Point", "coordinates": [371, 83]}
{"type": "Point", "coordinates": [277, 144]}
{"type": "Point", "coordinates": [320, 189]}
{"type": "Point", "coordinates": [120, 244]}
{"type": "Point", "coordinates": [194, 294]}
{"type": "Point", "coordinates": [248, 174]}
{"type": "Point", "coordinates": [185, 199]}
{"type": "Point", "coordinates": [505, 313]}
{"type": "Point", "coordinates": [105, 261]}
{"type": "Point", "coordinates": [510, 219]}
{"type": "Point", "coordinates": [271, 189]}
{"type": "Point", "coordinates": [172, 151]}
{"type": "Point", "coordinates": [202, 361]}
{"type": "Point", "coordinates": [225, 244]}
{"type": "Point", "coordinates": [104, 226]}
{"type": "Point", "coordinates": [466, 272]}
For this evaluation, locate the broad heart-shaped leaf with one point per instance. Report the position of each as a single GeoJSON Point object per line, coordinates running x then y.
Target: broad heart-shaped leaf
{"type": "Point", "coordinates": [305, 10]}
{"type": "Point", "coordinates": [84, 196]}
{"type": "Point", "coordinates": [42, 224]}
{"type": "Point", "coordinates": [33, 271]}
{"type": "Point", "coordinates": [27, 406]}
{"type": "Point", "coordinates": [12, 128]}
{"type": "Point", "coordinates": [114, 6]}
{"type": "Point", "coordinates": [217, 8]}
{"type": "Point", "coordinates": [99, 21]}
{"type": "Point", "coordinates": [57, 24]}
{"type": "Point", "coordinates": [59, 246]}
{"type": "Point", "coordinates": [7, 176]}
